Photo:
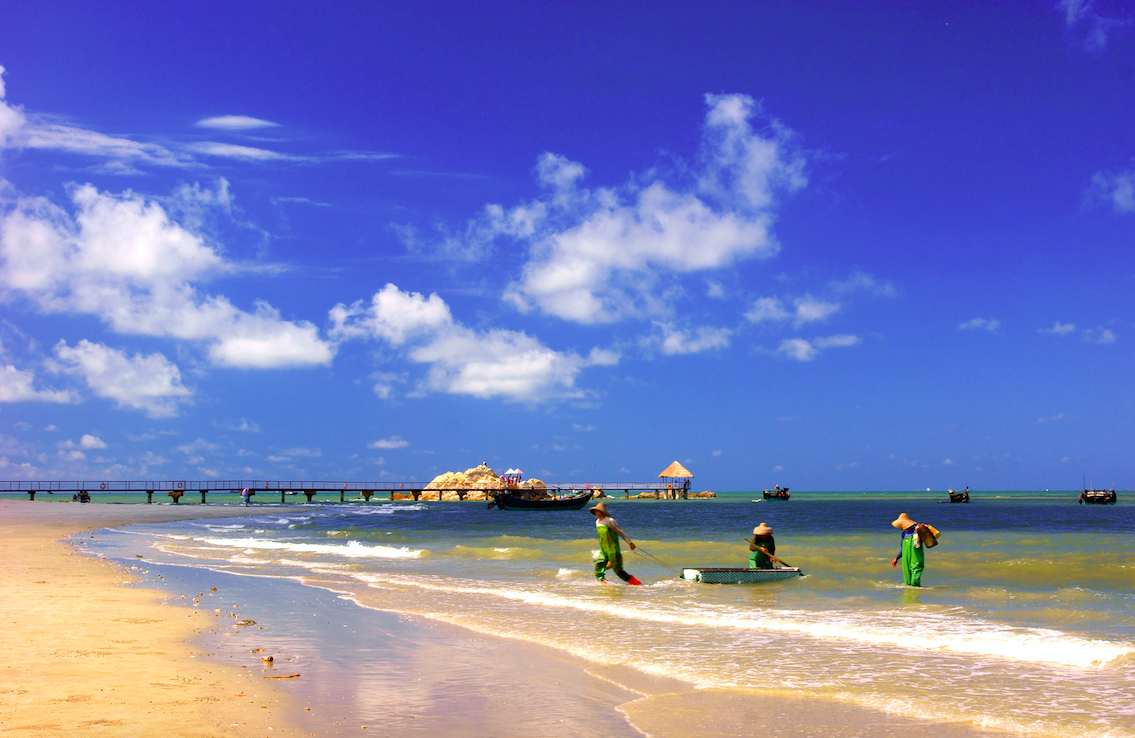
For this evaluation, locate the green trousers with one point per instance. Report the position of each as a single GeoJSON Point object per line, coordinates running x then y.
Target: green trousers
{"type": "Point", "coordinates": [913, 560]}
{"type": "Point", "coordinates": [610, 555]}
{"type": "Point", "coordinates": [759, 560]}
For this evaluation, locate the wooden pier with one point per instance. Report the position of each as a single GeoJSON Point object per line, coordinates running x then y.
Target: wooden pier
{"type": "Point", "coordinates": [325, 491]}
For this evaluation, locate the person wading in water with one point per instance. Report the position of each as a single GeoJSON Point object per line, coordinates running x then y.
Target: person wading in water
{"type": "Point", "coordinates": [911, 553]}
{"type": "Point", "coordinates": [610, 555]}
{"type": "Point", "coordinates": [762, 548]}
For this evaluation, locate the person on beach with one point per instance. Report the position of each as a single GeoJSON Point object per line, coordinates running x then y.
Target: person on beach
{"type": "Point", "coordinates": [762, 548]}
{"type": "Point", "coordinates": [245, 496]}
{"type": "Point", "coordinates": [911, 551]}
{"type": "Point", "coordinates": [610, 555]}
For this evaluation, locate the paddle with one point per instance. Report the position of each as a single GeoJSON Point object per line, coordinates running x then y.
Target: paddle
{"type": "Point", "coordinates": [638, 548]}
{"type": "Point", "coordinates": [772, 558]}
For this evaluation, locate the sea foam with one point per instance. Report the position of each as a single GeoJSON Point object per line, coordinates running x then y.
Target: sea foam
{"type": "Point", "coordinates": [352, 549]}
{"type": "Point", "coordinates": [919, 632]}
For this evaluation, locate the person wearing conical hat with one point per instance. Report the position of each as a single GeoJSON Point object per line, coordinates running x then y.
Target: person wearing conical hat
{"type": "Point", "coordinates": [762, 548]}
{"type": "Point", "coordinates": [610, 555]}
{"type": "Point", "coordinates": [911, 552]}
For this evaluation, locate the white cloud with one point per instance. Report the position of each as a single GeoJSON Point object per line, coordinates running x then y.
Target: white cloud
{"type": "Point", "coordinates": [674, 340]}
{"type": "Point", "coordinates": [598, 255]}
{"type": "Point", "coordinates": [1099, 335]}
{"type": "Point", "coordinates": [19, 131]}
{"type": "Point", "coordinates": [810, 310]}
{"type": "Point", "coordinates": [148, 383]}
{"type": "Point", "coordinates": [840, 341]}
{"type": "Point", "coordinates": [492, 363]}
{"type": "Point", "coordinates": [1050, 418]}
{"type": "Point", "coordinates": [714, 289]}
{"type": "Point", "coordinates": [393, 315]}
{"type": "Point", "coordinates": [11, 119]}
{"type": "Point", "coordinates": [1090, 29]}
{"type": "Point", "coordinates": [585, 428]}
{"type": "Point", "coordinates": [1059, 329]}
{"type": "Point", "coordinates": [798, 349]}
{"type": "Point", "coordinates": [51, 428]}
{"type": "Point", "coordinates": [1116, 189]}
{"type": "Point", "coordinates": [861, 281]}
{"type": "Point", "coordinates": [244, 424]}
{"type": "Point", "coordinates": [801, 349]}
{"type": "Point", "coordinates": [989, 324]}
{"type": "Point", "coordinates": [717, 452]}
{"type": "Point", "coordinates": [89, 441]}
{"type": "Point", "coordinates": [244, 153]}
{"type": "Point", "coordinates": [807, 309]}
{"type": "Point", "coordinates": [195, 447]}
{"type": "Point", "coordinates": [235, 123]}
{"type": "Point", "coordinates": [311, 453]}
{"type": "Point", "coordinates": [123, 259]}
{"type": "Point", "coordinates": [122, 155]}
{"type": "Point", "coordinates": [18, 385]}
{"type": "Point", "coordinates": [778, 467]}
{"type": "Point", "coordinates": [949, 462]}
{"type": "Point", "coordinates": [767, 309]}
{"type": "Point", "coordinates": [392, 442]}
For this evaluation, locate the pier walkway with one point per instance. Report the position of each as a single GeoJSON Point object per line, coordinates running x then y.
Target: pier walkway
{"type": "Point", "coordinates": [325, 491]}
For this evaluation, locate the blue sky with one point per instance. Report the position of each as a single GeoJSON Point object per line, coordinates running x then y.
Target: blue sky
{"type": "Point", "coordinates": [826, 245]}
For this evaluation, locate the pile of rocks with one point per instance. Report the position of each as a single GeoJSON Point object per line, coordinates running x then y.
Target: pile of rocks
{"type": "Point", "coordinates": [481, 481]}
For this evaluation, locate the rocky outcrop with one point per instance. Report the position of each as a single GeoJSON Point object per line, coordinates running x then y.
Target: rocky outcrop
{"type": "Point", "coordinates": [703, 495]}
{"type": "Point", "coordinates": [481, 481]}
{"type": "Point", "coordinates": [479, 477]}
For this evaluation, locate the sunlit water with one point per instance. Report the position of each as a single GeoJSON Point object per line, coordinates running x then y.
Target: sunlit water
{"type": "Point", "coordinates": [1025, 622]}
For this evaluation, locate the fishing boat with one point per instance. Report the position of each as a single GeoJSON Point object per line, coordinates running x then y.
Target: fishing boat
{"type": "Point", "coordinates": [716, 575]}
{"type": "Point", "coordinates": [509, 501]}
{"type": "Point", "coordinates": [959, 496]}
{"type": "Point", "coordinates": [1098, 497]}
{"type": "Point", "coordinates": [777, 493]}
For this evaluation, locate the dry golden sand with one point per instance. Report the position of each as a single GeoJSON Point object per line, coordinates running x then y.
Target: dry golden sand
{"type": "Point", "coordinates": [83, 655]}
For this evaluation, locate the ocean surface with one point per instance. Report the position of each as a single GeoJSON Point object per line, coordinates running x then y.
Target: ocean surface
{"type": "Point", "coordinates": [1025, 622]}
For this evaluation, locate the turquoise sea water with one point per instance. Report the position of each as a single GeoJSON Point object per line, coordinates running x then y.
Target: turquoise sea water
{"type": "Point", "coordinates": [1025, 622]}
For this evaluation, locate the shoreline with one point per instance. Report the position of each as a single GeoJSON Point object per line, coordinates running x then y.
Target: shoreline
{"type": "Point", "coordinates": [401, 674]}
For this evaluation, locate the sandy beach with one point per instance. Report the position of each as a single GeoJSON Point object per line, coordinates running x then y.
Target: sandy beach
{"type": "Point", "coordinates": [85, 655]}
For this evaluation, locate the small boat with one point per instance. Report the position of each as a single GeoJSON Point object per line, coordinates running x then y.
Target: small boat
{"type": "Point", "coordinates": [715, 575]}
{"type": "Point", "coordinates": [777, 493]}
{"type": "Point", "coordinates": [1098, 497]}
{"type": "Point", "coordinates": [508, 501]}
{"type": "Point", "coordinates": [959, 496]}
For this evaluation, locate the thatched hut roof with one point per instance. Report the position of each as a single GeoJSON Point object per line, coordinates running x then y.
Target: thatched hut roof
{"type": "Point", "coordinates": [675, 470]}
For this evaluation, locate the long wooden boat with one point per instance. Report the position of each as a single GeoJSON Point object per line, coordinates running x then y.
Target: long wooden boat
{"type": "Point", "coordinates": [507, 501]}
{"type": "Point", "coordinates": [1098, 497]}
{"type": "Point", "coordinates": [715, 575]}
{"type": "Point", "coordinates": [959, 496]}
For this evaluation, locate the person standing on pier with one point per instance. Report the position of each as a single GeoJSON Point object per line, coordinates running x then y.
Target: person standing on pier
{"type": "Point", "coordinates": [610, 555]}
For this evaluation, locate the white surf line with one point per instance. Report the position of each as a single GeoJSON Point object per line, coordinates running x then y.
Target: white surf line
{"type": "Point", "coordinates": [1017, 644]}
